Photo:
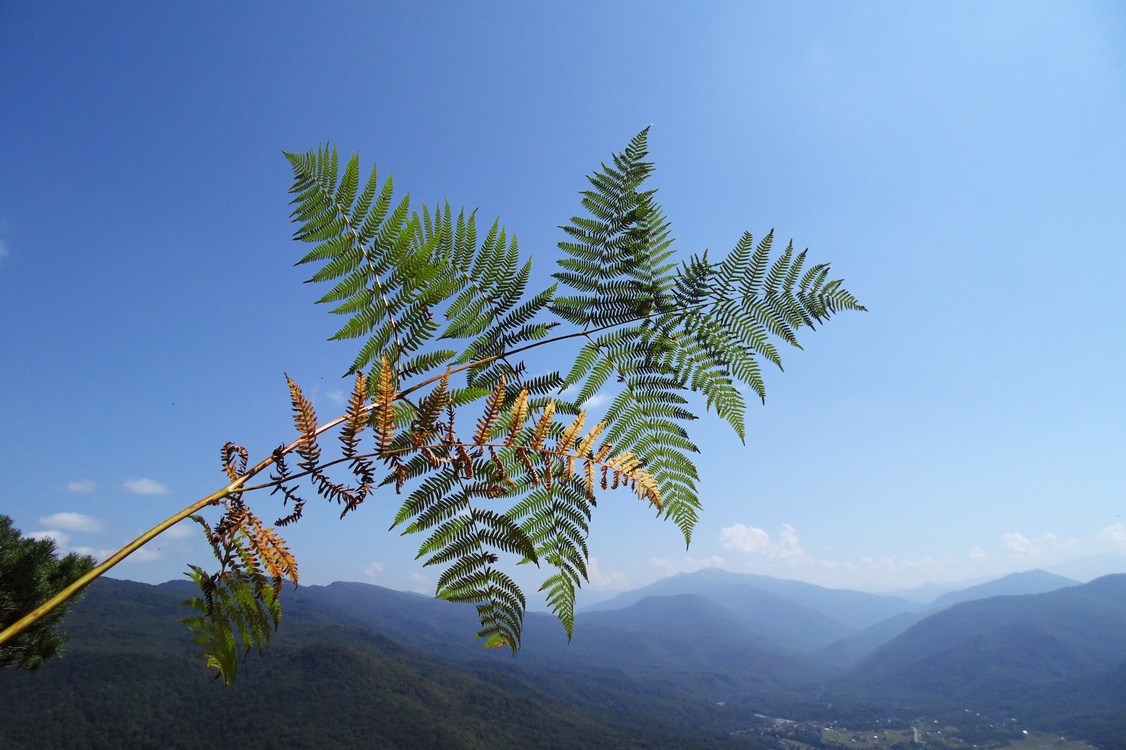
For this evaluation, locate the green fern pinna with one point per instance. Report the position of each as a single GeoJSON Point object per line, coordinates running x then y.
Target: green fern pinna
{"type": "Point", "coordinates": [497, 466]}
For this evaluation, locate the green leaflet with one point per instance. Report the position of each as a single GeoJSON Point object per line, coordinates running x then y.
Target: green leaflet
{"type": "Point", "coordinates": [557, 522]}
{"type": "Point", "coordinates": [234, 607]}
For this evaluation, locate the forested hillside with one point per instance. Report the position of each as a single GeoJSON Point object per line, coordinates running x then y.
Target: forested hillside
{"type": "Point", "coordinates": [129, 680]}
{"type": "Point", "coordinates": [357, 665]}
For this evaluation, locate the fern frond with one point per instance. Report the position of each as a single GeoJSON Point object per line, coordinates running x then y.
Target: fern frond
{"type": "Point", "coordinates": [488, 420]}
{"type": "Point", "coordinates": [517, 416]}
{"type": "Point", "coordinates": [272, 550]}
{"type": "Point", "coordinates": [230, 453]}
{"type": "Point", "coordinates": [357, 418]}
{"type": "Point", "coordinates": [539, 435]}
{"type": "Point", "coordinates": [421, 291]}
{"type": "Point", "coordinates": [383, 410]}
{"type": "Point", "coordinates": [430, 409]}
{"type": "Point", "coordinates": [239, 603]}
{"type": "Point", "coordinates": [305, 420]}
{"type": "Point", "coordinates": [567, 439]}
{"type": "Point", "coordinates": [363, 245]}
{"type": "Point", "coordinates": [282, 480]}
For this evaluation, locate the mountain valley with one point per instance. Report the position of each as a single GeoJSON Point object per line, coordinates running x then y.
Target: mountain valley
{"type": "Point", "coordinates": [697, 660]}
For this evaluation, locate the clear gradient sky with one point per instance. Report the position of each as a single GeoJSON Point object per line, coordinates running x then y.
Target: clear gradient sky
{"type": "Point", "coordinates": [963, 165]}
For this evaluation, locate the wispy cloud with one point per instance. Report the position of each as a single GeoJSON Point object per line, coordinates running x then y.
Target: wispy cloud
{"type": "Point", "coordinates": [750, 549]}
{"type": "Point", "coordinates": [605, 578]}
{"type": "Point", "coordinates": [686, 564]}
{"type": "Point", "coordinates": [143, 555]}
{"type": "Point", "coordinates": [751, 540]}
{"type": "Point", "coordinates": [1115, 533]}
{"type": "Point", "coordinates": [597, 401]}
{"type": "Point", "coordinates": [59, 527]}
{"type": "Point", "coordinates": [4, 253]}
{"type": "Point", "coordinates": [1018, 543]}
{"type": "Point", "coordinates": [374, 569]}
{"type": "Point", "coordinates": [754, 550]}
{"type": "Point", "coordinates": [60, 538]}
{"type": "Point", "coordinates": [420, 584]}
{"type": "Point", "coordinates": [146, 554]}
{"type": "Point", "coordinates": [182, 530]}
{"type": "Point", "coordinates": [98, 553]}
{"type": "Point", "coordinates": [144, 486]}
{"type": "Point", "coordinates": [73, 522]}
{"type": "Point", "coordinates": [81, 486]}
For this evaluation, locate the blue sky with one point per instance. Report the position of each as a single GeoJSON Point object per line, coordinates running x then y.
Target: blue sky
{"type": "Point", "coordinates": [961, 164]}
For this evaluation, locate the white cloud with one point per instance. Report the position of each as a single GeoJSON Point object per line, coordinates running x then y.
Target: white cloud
{"type": "Point", "coordinates": [686, 564]}
{"type": "Point", "coordinates": [1115, 533]}
{"type": "Point", "coordinates": [182, 530]}
{"type": "Point", "coordinates": [97, 553]}
{"type": "Point", "coordinates": [751, 540]}
{"type": "Point", "coordinates": [81, 486]}
{"type": "Point", "coordinates": [605, 578]}
{"type": "Point", "coordinates": [145, 554]}
{"type": "Point", "coordinates": [788, 544]}
{"type": "Point", "coordinates": [336, 396]}
{"type": "Point", "coordinates": [4, 253]}
{"type": "Point", "coordinates": [1054, 544]}
{"type": "Point", "coordinates": [596, 401]}
{"type": "Point", "coordinates": [374, 569]}
{"type": "Point", "coordinates": [422, 584]}
{"type": "Point", "coordinates": [73, 522]}
{"type": "Point", "coordinates": [145, 486]}
{"type": "Point", "coordinates": [783, 555]}
{"type": "Point", "coordinates": [1018, 543]}
{"type": "Point", "coordinates": [60, 539]}
{"type": "Point", "coordinates": [1048, 544]}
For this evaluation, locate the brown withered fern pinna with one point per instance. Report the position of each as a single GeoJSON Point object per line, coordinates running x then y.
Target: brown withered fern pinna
{"type": "Point", "coordinates": [496, 467]}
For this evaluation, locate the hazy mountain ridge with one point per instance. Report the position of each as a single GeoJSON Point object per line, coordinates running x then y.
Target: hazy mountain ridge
{"type": "Point", "coordinates": [689, 636]}
{"type": "Point", "coordinates": [839, 626]}
{"type": "Point", "coordinates": [1014, 584]}
{"type": "Point", "coordinates": [130, 679]}
{"type": "Point", "coordinates": [852, 609]}
{"type": "Point", "coordinates": [1030, 655]}
{"type": "Point", "coordinates": [655, 672]}
{"type": "Point", "coordinates": [1090, 617]}
{"type": "Point", "coordinates": [849, 651]}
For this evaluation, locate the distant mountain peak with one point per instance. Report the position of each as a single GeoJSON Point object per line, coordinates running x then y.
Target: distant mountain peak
{"type": "Point", "coordinates": [1035, 581]}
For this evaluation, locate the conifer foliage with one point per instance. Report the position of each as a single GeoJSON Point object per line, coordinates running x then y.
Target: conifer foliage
{"type": "Point", "coordinates": [30, 571]}
{"type": "Point", "coordinates": [496, 466]}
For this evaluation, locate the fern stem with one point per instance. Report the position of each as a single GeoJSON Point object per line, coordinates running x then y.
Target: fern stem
{"type": "Point", "coordinates": [520, 349]}
{"type": "Point", "coordinates": [85, 580]}
{"type": "Point", "coordinates": [238, 485]}
{"type": "Point", "coordinates": [555, 452]}
{"type": "Point", "coordinates": [97, 572]}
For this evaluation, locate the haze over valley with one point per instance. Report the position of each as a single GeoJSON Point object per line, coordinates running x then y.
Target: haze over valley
{"type": "Point", "coordinates": [695, 660]}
